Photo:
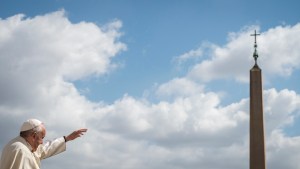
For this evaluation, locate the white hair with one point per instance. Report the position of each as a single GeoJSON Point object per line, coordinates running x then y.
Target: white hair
{"type": "Point", "coordinates": [35, 130]}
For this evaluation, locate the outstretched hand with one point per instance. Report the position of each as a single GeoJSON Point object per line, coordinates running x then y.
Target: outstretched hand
{"type": "Point", "coordinates": [75, 134]}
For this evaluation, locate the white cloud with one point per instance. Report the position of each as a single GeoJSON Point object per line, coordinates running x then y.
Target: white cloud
{"type": "Point", "coordinates": [192, 54]}
{"type": "Point", "coordinates": [38, 58]}
{"type": "Point", "coordinates": [37, 52]}
{"type": "Point", "coordinates": [281, 108]}
{"type": "Point", "coordinates": [178, 87]}
{"type": "Point", "coordinates": [277, 49]}
{"type": "Point", "coordinates": [282, 151]}
{"type": "Point", "coordinates": [184, 132]}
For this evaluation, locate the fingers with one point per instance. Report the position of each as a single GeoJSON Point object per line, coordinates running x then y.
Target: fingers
{"type": "Point", "coordinates": [82, 130]}
{"type": "Point", "coordinates": [75, 134]}
{"type": "Point", "coordinates": [79, 132]}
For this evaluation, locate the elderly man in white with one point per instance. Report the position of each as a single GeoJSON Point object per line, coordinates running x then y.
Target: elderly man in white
{"type": "Point", "coordinates": [27, 150]}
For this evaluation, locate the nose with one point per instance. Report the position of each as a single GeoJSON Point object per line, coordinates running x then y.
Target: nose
{"type": "Point", "coordinates": [41, 141]}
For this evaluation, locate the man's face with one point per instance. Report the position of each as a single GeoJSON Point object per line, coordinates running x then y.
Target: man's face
{"type": "Point", "coordinates": [38, 138]}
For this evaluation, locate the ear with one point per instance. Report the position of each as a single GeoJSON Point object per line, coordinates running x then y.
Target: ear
{"type": "Point", "coordinates": [34, 134]}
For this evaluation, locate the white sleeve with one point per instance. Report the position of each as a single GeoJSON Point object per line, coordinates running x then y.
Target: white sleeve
{"type": "Point", "coordinates": [50, 148]}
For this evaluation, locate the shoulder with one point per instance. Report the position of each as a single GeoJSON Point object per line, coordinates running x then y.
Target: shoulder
{"type": "Point", "coordinates": [16, 155]}
{"type": "Point", "coordinates": [16, 145]}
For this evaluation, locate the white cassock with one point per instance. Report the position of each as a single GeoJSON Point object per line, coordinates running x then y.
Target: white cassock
{"type": "Point", "coordinates": [17, 153]}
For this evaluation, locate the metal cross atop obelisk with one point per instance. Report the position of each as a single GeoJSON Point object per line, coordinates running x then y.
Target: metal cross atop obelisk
{"type": "Point", "coordinates": [257, 144]}
{"type": "Point", "coordinates": [255, 55]}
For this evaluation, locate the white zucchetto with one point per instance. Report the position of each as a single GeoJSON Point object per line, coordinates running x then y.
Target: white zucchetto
{"type": "Point", "coordinates": [30, 124]}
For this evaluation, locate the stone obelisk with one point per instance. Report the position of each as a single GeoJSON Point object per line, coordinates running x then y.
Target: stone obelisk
{"type": "Point", "coordinates": [257, 143]}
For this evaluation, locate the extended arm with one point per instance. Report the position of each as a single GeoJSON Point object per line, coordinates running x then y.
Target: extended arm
{"type": "Point", "coordinates": [58, 145]}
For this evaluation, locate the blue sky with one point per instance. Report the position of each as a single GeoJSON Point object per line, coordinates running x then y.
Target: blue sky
{"type": "Point", "coordinates": [159, 84]}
